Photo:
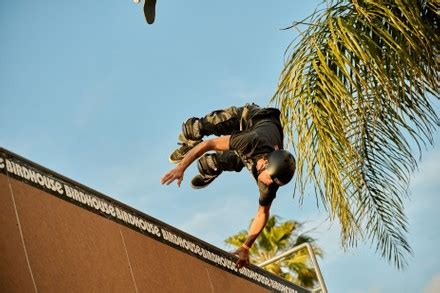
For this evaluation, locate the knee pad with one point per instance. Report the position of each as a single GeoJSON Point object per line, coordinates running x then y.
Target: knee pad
{"type": "Point", "coordinates": [192, 129]}
{"type": "Point", "coordinates": [208, 165]}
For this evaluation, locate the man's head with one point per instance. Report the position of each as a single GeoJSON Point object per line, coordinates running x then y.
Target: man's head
{"type": "Point", "coordinates": [279, 167]}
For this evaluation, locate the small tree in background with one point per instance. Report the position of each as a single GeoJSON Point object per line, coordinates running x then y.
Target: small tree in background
{"type": "Point", "coordinates": [276, 238]}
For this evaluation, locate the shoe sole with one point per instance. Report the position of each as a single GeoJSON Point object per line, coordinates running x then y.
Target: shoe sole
{"type": "Point", "coordinates": [198, 187]}
{"type": "Point", "coordinates": [174, 161]}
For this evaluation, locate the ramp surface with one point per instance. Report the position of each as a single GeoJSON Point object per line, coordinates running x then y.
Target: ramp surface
{"type": "Point", "coordinates": [57, 235]}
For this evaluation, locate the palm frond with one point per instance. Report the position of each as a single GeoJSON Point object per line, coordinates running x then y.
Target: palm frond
{"type": "Point", "coordinates": [354, 96]}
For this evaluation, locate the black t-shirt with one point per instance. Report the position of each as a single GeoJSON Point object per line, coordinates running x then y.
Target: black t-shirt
{"type": "Point", "coordinates": [253, 144]}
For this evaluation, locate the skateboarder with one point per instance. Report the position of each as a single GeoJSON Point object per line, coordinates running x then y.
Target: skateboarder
{"type": "Point", "coordinates": [247, 136]}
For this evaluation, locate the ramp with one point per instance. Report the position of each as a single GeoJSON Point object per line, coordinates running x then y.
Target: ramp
{"type": "Point", "coordinates": [57, 235]}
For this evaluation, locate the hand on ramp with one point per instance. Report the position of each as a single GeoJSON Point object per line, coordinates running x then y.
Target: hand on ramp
{"type": "Point", "coordinates": [243, 257]}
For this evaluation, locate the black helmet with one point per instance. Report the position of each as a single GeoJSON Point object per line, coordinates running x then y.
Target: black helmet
{"type": "Point", "coordinates": [281, 166]}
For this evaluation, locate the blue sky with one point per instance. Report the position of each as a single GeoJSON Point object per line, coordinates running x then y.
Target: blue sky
{"type": "Point", "coordinates": [91, 91]}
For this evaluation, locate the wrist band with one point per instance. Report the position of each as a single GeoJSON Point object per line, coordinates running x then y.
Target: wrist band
{"type": "Point", "coordinates": [245, 246]}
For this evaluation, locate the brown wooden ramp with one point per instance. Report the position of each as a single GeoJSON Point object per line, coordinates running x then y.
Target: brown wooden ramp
{"type": "Point", "coordinates": [57, 235]}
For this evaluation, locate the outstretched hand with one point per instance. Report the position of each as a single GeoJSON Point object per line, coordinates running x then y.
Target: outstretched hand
{"type": "Point", "coordinates": [175, 174]}
{"type": "Point", "coordinates": [243, 257]}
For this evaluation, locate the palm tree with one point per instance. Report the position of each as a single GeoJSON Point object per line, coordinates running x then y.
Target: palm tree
{"type": "Point", "coordinates": [356, 96]}
{"type": "Point", "coordinates": [275, 239]}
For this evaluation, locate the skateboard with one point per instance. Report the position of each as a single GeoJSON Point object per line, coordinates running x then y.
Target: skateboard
{"type": "Point", "coordinates": [149, 10]}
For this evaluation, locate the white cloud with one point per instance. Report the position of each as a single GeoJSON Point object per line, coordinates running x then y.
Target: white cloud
{"type": "Point", "coordinates": [434, 285]}
{"type": "Point", "coordinates": [429, 169]}
{"type": "Point", "coordinates": [425, 185]}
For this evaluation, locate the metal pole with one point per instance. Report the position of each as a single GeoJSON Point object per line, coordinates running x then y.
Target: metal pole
{"type": "Point", "coordinates": [312, 257]}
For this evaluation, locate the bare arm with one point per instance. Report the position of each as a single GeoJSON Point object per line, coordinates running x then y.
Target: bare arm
{"type": "Point", "coordinates": [215, 144]}
{"type": "Point", "coordinates": [257, 226]}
